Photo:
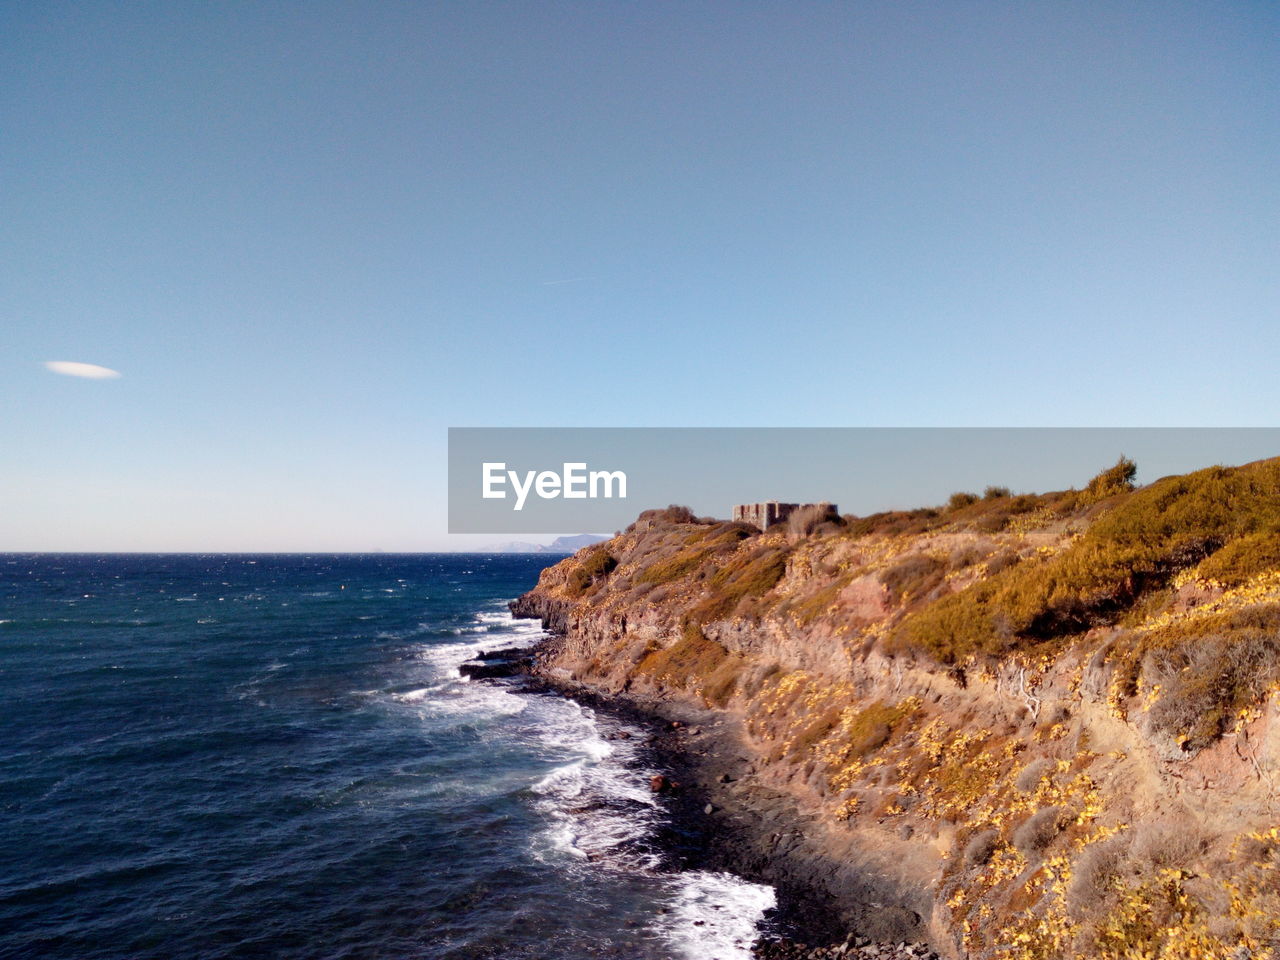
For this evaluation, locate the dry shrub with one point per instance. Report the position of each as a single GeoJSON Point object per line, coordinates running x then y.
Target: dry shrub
{"type": "Point", "coordinates": [1002, 561]}
{"type": "Point", "coordinates": [808, 519]}
{"type": "Point", "coordinates": [1204, 681]}
{"type": "Point", "coordinates": [980, 848]}
{"type": "Point", "coordinates": [1094, 875]}
{"type": "Point", "coordinates": [1039, 830]}
{"type": "Point", "coordinates": [896, 523]}
{"type": "Point", "coordinates": [1029, 777]}
{"type": "Point", "coordinates": [809, 608]}
{"type": "Point", "coordinates": [913, 577]}
{"type": "Point", "coordinates": [675, 513]}
{"type": "Point", "coordinates": [966, 556]}
{"type": "Point", "coordinates": [724, 681]}
{"type": "Point", "coordinates": [1059, 713]}
{"type": "Point", "coordinates": [1170, 844]}
{"type": "Point", "coordinates": [1257, 849]}
{"type": "Point", "coordinates": [755, 681]}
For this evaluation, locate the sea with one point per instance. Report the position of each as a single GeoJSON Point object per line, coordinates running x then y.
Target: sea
{"type": "Point", "coordinates": [217, 756]}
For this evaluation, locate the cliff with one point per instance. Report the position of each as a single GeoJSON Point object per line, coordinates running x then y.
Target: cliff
{"type": "Point", "coordinates": [1023, 726]}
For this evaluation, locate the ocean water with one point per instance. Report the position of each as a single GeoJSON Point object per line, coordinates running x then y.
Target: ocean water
{"type": "Point", "coordinates": [275, 756]}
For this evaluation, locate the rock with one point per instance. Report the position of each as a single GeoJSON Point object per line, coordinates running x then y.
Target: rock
{"type": "Point", "coordinates": [662, 784]}
{"type": "Point", "coordinates": [494, 668]}
{"type": "Point", "coordinates": [724, 778]}
{"type": "Point", "coordinates": [709, 809]}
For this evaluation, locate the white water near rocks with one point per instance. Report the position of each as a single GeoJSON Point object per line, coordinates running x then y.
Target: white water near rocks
{"type": "Point", "coordinates": [599, 810]}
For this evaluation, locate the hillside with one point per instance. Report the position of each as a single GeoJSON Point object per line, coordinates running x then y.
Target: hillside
{"type": "Point", "coordinates": [1046, 721]}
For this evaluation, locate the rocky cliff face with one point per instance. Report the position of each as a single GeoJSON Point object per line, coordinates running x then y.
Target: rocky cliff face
{"type": "Point", "coordinates": [1026, 727]}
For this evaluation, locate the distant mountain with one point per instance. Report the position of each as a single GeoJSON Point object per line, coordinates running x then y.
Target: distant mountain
{"type": "Point", "coordinates": [515, 546]}
{"type": "Point", "coordinates": [560, 545]}
{"type": "Point", "coordinates": [575, 543]}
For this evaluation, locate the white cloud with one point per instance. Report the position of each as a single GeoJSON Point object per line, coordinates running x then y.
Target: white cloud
{"type": "Point", "coordinates": [71, 368]}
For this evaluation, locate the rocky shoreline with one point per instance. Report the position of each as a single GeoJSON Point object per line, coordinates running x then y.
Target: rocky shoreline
{"type": "Point", "coordinates": [722, 819]}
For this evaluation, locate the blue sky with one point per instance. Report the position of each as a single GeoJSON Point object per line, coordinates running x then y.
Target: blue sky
{"type": "Point", "coordinates": [313, 236]}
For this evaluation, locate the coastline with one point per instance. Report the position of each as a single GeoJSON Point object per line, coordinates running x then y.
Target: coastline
{"type": "Point", "coordinates": [721, 817]}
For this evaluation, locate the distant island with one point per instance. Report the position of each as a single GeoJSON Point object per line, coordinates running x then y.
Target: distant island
{"type": "Point", "coordinates": [560, 545]}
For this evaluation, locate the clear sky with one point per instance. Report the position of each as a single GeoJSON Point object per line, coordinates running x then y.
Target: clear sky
{"type": "Point", "coordinates": [312, 236]}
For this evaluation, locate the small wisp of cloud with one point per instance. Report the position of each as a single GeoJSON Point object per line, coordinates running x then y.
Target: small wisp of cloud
{"type": "Point", "coordinates": [89, 371]}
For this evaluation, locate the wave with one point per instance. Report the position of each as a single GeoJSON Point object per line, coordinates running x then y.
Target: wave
{"type": "Point", "coordinates": [598, 806]}
{"type": "Point", "coordinates": [443, 693]}
{"type": "Point", "coordinates": [593, 801]}
{"type": "Point", "coordinates": [714, 916]}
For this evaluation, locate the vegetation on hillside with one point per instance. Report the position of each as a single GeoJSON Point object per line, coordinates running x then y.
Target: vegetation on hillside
{"type": "Point", "coordinates": [1134, 547]}
{"type": "Point", "coordinates": [1182, 575]}
{"type": "Point", "coordinates": [1156, 606]}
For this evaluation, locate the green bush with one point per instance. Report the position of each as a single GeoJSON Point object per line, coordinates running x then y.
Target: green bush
{"type": "Point", "coordinates": [1133, 547]}
{"type": "Point", "coordinates": [1113, 480]}
{"type": "Point", "coordinates": [673, 568]}
{"type": "Point", "coordinates": [1242, 559]}
{"type": "Point", "coordinates": [590, 571]}
{"type": "Point", "coordinates": [746, 576]}
{"type": "Point", "coordinates": [694, 661]}
{"type": "Point", "coordinates": [870, 729]}
{"type": "Point", "coordinates": [895, 523]}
